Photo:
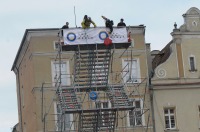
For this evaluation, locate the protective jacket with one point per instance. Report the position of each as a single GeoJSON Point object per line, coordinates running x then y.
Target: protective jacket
{"type": "Point", "coordinates": [86, 23]}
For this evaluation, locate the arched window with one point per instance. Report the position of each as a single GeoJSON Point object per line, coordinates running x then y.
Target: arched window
{"type": "Point", "coordinates": [194, 23]}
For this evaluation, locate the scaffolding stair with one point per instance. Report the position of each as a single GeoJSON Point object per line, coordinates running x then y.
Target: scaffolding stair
{"type": "Point", "coordinates": [68, 99]}
{"type": "Point", "coordinates": [98, 121]}
{"type": "Point", "coordinates": [118, 96]}
{"type": "Point", "coordinates": [91, 67]}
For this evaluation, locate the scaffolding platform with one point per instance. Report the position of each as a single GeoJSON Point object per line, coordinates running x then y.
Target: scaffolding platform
{"type": "Point", "coordinates": [95, 46]}
{"type": "Point", "coordinates": [126, 108]}
{"type": "Point", "coordinates": [85, 87]}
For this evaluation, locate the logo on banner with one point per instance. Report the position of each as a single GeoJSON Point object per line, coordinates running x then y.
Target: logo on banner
{"type": "Point", "coordinates": [103, 35]}
{"type": "Point", "coordinates": [71, 36]}
{"type": "Point", "coordinates": [117, 35]}
{"type": "Point", "coordinates": [84, 36]}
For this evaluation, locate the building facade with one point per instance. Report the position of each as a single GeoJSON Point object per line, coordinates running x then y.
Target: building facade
{"type": "Point", "coordinates": [176, 81]}
{"type": "Point", "coordinates": [83, 87]}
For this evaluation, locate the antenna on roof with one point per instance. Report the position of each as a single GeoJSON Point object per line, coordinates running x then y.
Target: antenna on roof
{"type": "Point", "coordinates": [75, 15]}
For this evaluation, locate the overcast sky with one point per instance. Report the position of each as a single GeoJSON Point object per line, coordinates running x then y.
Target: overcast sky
{"type": "Point", "coordinates": [17, 15]}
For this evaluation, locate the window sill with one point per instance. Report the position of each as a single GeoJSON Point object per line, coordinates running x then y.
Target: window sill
{"type": "Point", "coordinates": [171, 130]}
{"type": "Point", "coordinates": [193, 70]}
{"type": "Point", "coordinates": [135, 82]}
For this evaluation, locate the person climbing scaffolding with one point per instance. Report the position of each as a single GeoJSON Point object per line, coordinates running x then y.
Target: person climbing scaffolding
{"type": "Point", "coordinates": [109, 24]}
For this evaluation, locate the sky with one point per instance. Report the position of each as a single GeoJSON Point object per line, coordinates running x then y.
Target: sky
{"type": "Point", "coordinates": [16, 16]}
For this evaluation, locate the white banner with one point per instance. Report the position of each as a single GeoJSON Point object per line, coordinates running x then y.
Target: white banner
{"type": "Point", "coordinates": [93, 35]}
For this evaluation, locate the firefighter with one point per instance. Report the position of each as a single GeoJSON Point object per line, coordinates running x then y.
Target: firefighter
{"type": "Point", "coordinates": [86, 22]}
{"type": "Point", "coordinates": [109, 23]}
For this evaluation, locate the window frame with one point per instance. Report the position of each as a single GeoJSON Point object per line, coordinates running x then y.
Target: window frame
{"type": "Point", "coordinates": [192, 68]}
{"type": "Point", "coordinates": [169, 114]}
{"type": "Point", "coordinates": [67, 70]}
{"type": "Point", "coordinates": [55, 45]}
{"type": "Point", "coordinates": [136, 118]}
{"type": "Point", "coordinates": [56, 104]}
{"type": "Point", "coordinates": [125, 73]}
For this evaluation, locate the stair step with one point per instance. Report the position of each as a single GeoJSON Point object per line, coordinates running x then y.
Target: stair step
{"type": "Point", "coordinates": [93, 54]}
{"type": "Point", "coordinates": [89, 76]}
{"type": "Point", "coordinates": [103, 59]}
{"type": "Point", "coordinates": [92, 51]}
{"type": "Point", "coordinates": [90, 56]}
{"type": "Point", "coordinates": [92, 65]}
{"type": "Point", "coordinates": [92, 68]}
{"type": "Point", "coordinates": [93, 80]}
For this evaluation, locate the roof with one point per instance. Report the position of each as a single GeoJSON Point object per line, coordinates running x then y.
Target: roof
{"type": "Point", "coordinates": [23, 40]}
{"type": "Point", "coordinates": [162, 56]}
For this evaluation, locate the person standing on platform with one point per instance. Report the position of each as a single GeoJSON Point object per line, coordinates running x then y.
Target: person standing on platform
{"type": "Point", "coordinates": [65, 27]}
{"type": "Point", "coordinates": [121, 23]}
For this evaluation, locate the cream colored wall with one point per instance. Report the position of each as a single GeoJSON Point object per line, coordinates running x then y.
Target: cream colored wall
{"type": "Point", "coordinates": [168, 69]}
{"type": "Point", "coordinates": [139, 41]}
{"type": "Point", "coordinates": [185, 97]}
{"type": "Point", "coordinates": [34, 70]}
{"type": "Point", "coordinates": [44, 43]}
{"type": "Point", "coordinates": [184, 100]}
{"type": "Point", "coordinates": [191, 46]}
{"type": "Point", "coordinates": [186, 105]}
{"type": "Point", "coordinates": [26, 73]}
{"type": "Point", "coordinates": [42, 73]}
{"type": "Point", "coordinates": [191, 26]}
{"type": "Point", "coordinates": [43, 55]}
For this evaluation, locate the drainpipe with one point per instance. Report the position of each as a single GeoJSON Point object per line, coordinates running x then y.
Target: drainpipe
{"type": "Point", "coordinates": [151, 100]}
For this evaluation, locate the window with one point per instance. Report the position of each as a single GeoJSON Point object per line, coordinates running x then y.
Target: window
{"type": "Point", "coordinates": [63, 123]}
{"type": "Point", "coordinates": [192, 63]}
{"type": "Point", "coordinates": [104, 119]}
{"type": "Point", "coordinates": [169, 114]}
{"type": "Point", "coordinates": [60, 72]}
{"type": "Point", "coordinates": [131, 71]}
{"type": "Point", "coordinates": [132, 42]}
{"type": "Point", "coordinates": [56, 45]}
{"type": "Point", "coordinates": [194, 23]}
{"type": "Point", "coordinates": [135, 117]}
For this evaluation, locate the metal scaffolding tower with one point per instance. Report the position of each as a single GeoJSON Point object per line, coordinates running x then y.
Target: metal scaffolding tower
{"type": "Point", "coordinates": [92, 67]}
